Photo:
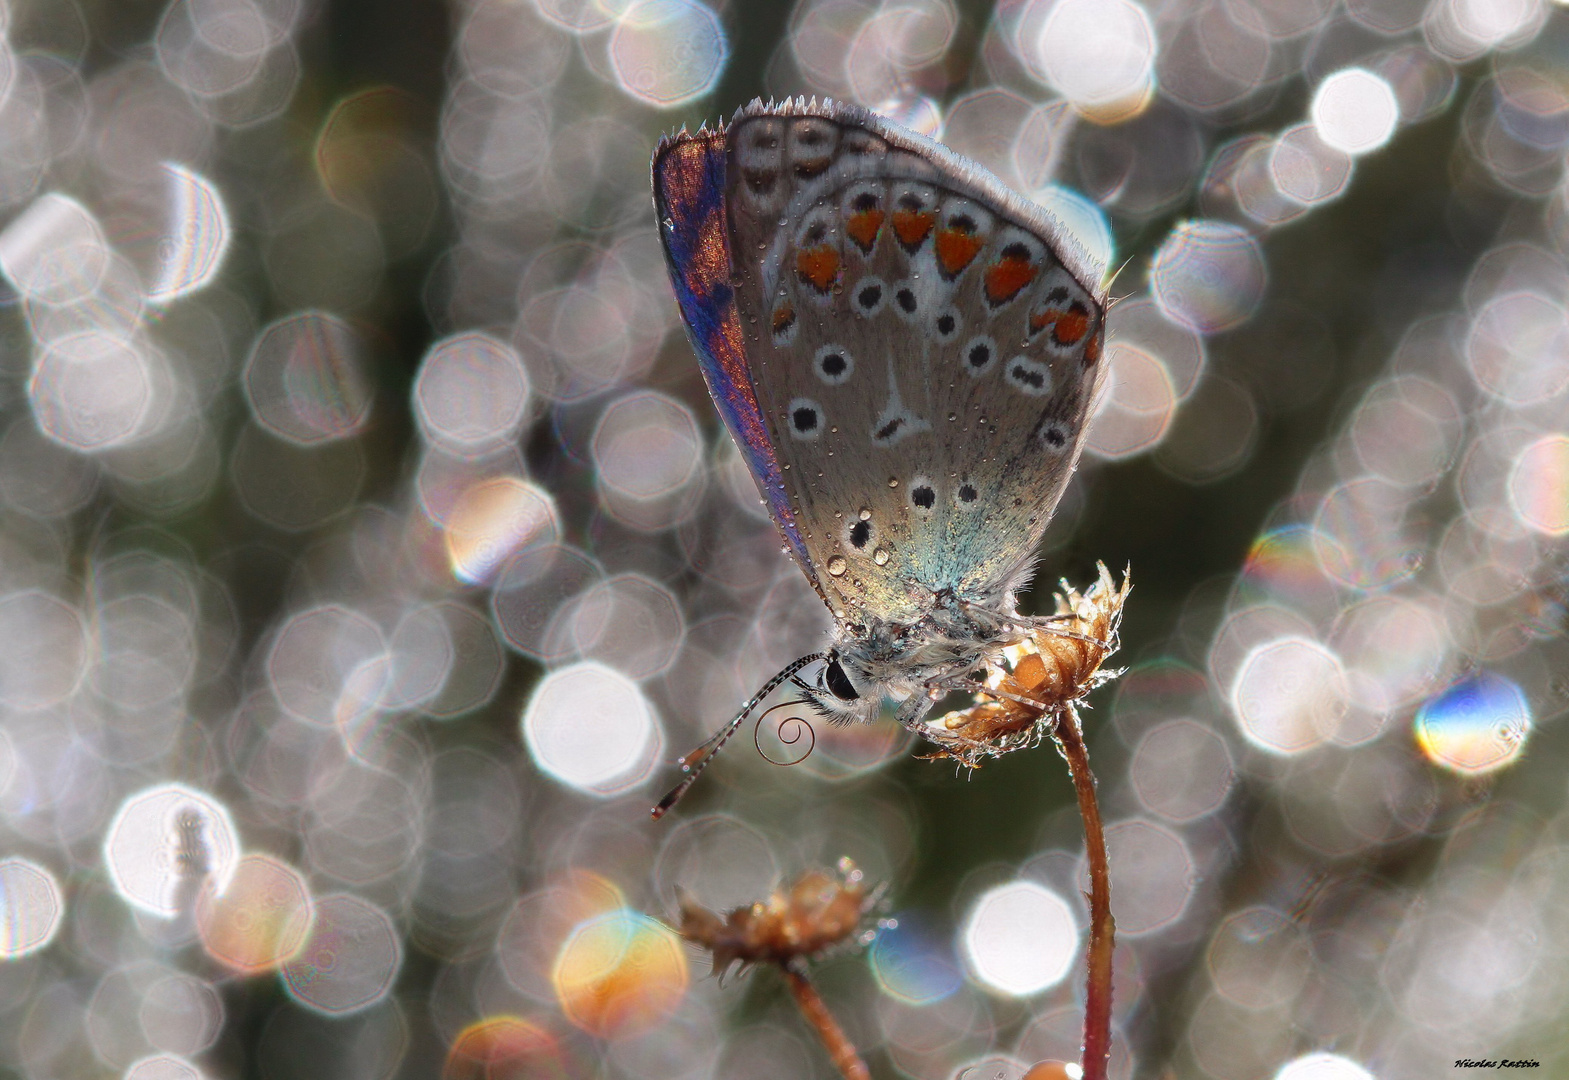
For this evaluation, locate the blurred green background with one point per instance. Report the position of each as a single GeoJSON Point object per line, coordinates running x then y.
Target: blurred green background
{"type": "Point", "coordinates": [369, 547]}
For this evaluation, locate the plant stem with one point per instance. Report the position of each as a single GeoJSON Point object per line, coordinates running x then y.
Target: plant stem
{"type": "Point", "coordinates": [834, 1040]}
{"type": "Point", "coordinates": [1103, 928]}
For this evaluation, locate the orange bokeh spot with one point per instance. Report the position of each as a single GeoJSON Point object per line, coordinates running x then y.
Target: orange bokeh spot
{"type": "Point", "coordinates": [956, 249]}
{"type": "Point", "coordinates": [863, 227]}
{"type": "Point", "coordinates": [1006, 278]}
{"type": "Point", "coordinates": [1048, 1070]}
{"type": "Point", "coordinates": [360, 137]}
{"type": "Point", "coordinates": [260, 921]}
{"type": "Point", "coordinates": [912, 226]}
{"type": "Point", "coordinates": [620, 974]}
{"type": "Point", "coordinates": [818, 267]}
{"type": "Point", "coordinates": [506, 1048]}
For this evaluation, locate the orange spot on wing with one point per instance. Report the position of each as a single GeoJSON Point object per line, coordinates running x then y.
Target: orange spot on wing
{"type": "Point", "coordinates": [1006, 278]}
{"type": "Point", "coordinates": [1071, 326]}
{"type": "Point", "coordinates": [1092, 351]}
{"type": "Point", "coordinates": [818, 267]}
{"type": "Point", "coordinates": [784, 315]}
{"type": "Point", "coordinates": [913, 226]}
{"type": "Point", "coordinates": [863, 227]}
{"type": "Point", "coordinates": [956, 250]}
{"type": "Point", "coordinates": [1068, 324]}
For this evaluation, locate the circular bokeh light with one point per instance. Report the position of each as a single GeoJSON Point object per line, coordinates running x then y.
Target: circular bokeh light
{"type": "Point", "coordinates": [163, 1067]}
{"type": "Point", "coordinates": [591, 728]}
{"type": "Point", "coordinates": [1100, 55]}
{"type": "Point", "coordinates": [471, 394]}
{"type": "Point", "coordinates": [1289, 695]}
{"type": "Point", "coordinates": [1539, 485]}
{"type": "Point", "coordinates": [913, 964]}
{"type": "Point", "coordinates": [31, 908]}
{"type": "Point", "coordinates": [667, 52]}
{"type": "Point", "coordinates": [1355, 111]}
{"type": "Point", "coordinates": [1208, 275]}
{"type": "Point", "coordinates": [1020, 938]}
{"type": "Point", "coordinates": [164, 843]}
{"type": "Point", "coordinates": [493, 520]}
{"type": "Point", "coordinates": [349, 961]}
{"type": "Point", "coordinates": [505, 1046]}
{"type": "Point", "coordinates": [1478, 725]}
{"type": "Point", "coordinates": [260, 921]}
{"type": "Point", "coordinates": [620, 974]}
{"type": "Point", "coordinates": [1323, 1067]}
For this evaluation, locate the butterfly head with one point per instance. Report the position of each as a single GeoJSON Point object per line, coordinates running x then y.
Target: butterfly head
{"type": "Point", "coordinates": [842, 691]}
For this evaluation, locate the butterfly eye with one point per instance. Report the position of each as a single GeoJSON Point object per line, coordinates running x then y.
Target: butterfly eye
{"type": "Point", "coordinates": [838, 682]}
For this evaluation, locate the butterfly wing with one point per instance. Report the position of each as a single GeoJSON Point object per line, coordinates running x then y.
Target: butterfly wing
{"type": "Point", "coordinates": [689, 199]}
{"type": "Point", "coordinates": [923, 349]}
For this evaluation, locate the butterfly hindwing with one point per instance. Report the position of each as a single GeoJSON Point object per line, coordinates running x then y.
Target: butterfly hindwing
{"type": "Point", "coordinates": [924, 350]}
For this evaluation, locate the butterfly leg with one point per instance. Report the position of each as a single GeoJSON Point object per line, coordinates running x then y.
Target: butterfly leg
{"type": "Point", "coordinates": [1044, 622]}
{"type": "Point", "coordinates": [990, 691]}
{"type": "Point", "coordinates": [913, 710]}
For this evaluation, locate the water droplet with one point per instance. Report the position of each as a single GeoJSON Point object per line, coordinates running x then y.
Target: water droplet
{"type": "Point", "coordinates": [866, 513]}
{"type": "Point", "coordinates": [837, 566]}
{"type": "Point", "coordinates": [880, 556]}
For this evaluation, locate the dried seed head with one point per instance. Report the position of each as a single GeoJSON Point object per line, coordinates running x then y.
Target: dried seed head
{"type": "Point", "coordinates": [1037, 683]}
{"type": "Point", "coordinates": [819, 911]}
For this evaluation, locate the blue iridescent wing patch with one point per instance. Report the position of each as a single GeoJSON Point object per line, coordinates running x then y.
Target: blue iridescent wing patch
{"type": "Point", "coordinates": [689, 198]}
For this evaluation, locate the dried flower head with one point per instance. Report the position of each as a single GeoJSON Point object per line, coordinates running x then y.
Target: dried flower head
{"type": "Point", "coordinates": [817, 912]}
{"type": "Point", "coordinates": [1033, 685]}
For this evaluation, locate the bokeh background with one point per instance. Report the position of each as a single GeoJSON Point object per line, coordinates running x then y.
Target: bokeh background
{"type": "Point", "coordinates": [368, 548]}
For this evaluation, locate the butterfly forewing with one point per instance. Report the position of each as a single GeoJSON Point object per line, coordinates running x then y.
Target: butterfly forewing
{"type": "Point", "coordinates": [689, 198]}
{"type": "Point", "coordinates": [923, 348]}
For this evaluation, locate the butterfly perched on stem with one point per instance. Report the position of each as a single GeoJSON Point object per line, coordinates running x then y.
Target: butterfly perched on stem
{"type": "Point", "coordinates": [906, 353]}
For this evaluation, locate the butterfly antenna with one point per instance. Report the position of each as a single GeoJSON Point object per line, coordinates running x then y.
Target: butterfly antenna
{"type": "Point", "coordinates": [694, 763]}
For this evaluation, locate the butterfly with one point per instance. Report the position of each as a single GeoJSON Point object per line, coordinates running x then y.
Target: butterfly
{"type": "Point", "coordinates": [907, 354]}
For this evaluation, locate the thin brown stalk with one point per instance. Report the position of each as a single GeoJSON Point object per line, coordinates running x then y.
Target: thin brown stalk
{"type": "Point", "coordinates": [834, 1040]}
{"type": "Point", "coordinates": [1103, 928]}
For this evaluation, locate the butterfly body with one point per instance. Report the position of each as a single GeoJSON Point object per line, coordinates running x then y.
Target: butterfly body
{"type": "Point", "coordinates": [907, 354]}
